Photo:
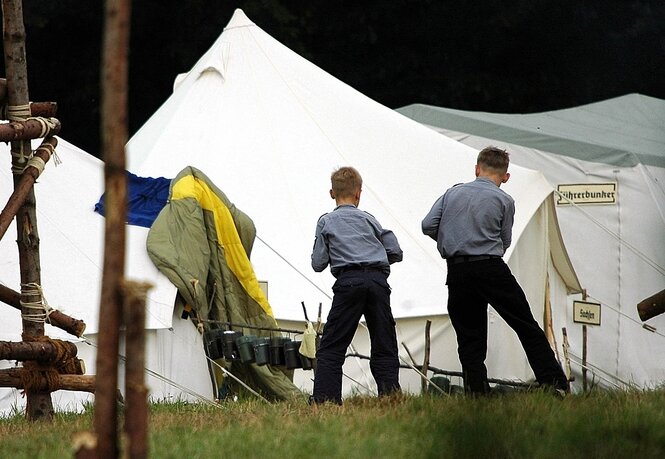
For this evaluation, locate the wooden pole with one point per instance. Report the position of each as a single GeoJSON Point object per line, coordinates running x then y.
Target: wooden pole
{"type": "Point", "coordinates": [47, 109]}
{"type": "Point", "coordinates": [25, 183]}
{"type": "Point", "coordinates": [425, 367]}
{"type": "Point", "coordinates": [56, 318]}
{"type": "Point", "coordinates": [38, 403]}
{"type": "Point", "coordinates": [652, 306]}
{"type": "Point", "coordinates": [42, 351]}
{"type": "Point", "coordinates": [42, 109]}
{"type": "Point", "coordinates": [33, 128]}
{"type": "Point", "coordinates": [584, 349]}
{"type": "Point", "coordinates": [114, 136]}
{"type": "Point", "coordinates": [136, 412]}
{"type": "Point", "coordinates": [12, 377]}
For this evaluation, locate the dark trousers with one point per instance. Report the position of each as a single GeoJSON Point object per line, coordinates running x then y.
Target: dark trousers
{"type": "Point", "coordinates": [357, 293]}
{"type": "Point", "coordinates": [471, 286]}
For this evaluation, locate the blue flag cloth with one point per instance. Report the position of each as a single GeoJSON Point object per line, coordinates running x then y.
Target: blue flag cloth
{"type": "Point", "coordinates": [146, 196]}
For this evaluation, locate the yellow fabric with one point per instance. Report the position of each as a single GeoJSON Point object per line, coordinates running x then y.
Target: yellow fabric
{"type": "Point", "coordinates": [227, 235]}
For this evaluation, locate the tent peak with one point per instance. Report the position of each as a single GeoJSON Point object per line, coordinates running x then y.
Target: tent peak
{"type": "Point", "coordinates": [239, 19]}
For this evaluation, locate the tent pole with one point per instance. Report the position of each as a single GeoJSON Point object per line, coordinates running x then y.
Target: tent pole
{"type": "Point", "coordinates": [584, 349]}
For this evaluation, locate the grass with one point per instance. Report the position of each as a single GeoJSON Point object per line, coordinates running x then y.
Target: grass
{"type": "Point", "coordinates": [516, 425]}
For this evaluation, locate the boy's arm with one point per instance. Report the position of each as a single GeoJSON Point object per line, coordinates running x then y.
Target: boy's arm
{"type": "Point", "coordinates": [430, 224]}
{"type": "Point", "coordinates": [320, 256]}
{"type": "Point", "coordinates": [507, 225]}
{"type": "Point", "coordinates": [393, 250]}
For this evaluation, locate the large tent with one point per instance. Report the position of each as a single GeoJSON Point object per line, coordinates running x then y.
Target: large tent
{"type": "Point", "coordinates": [268, 128]}
{"type": "Point", "coordinates": [618, 247]}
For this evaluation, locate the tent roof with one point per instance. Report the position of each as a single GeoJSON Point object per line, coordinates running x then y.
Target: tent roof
{"type": "Point", "coordinates": [623, 131]}
{"type": "Point", "coordinates": [268, 127]}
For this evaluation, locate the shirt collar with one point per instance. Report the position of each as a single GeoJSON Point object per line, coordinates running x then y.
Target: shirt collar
{"type": "Point", "coordinates": [485, 179]}
{"type": "Point", "coordinates": [345, 205]}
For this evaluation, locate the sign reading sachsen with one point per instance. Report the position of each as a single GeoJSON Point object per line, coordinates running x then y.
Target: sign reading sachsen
{"type": "Point", "coordinates": [586, 313]}
{"type": "Point", "coordinates": [587, 193]}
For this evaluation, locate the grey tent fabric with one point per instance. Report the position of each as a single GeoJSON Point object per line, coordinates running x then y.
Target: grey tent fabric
{"type": "Point", "coordinates": [618, 247]}
{"type": "Point", "coordinates": [623, 131]}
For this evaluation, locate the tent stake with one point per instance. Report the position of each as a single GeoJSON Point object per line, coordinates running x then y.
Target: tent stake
{"type": "Point", "coordinates": [136, 413]}
{"type": "Point", "coordinates": [423, 386]}
{"type": "Point", "coordinates": [422, 375]}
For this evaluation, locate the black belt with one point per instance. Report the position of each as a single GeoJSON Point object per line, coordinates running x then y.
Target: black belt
{"type": "Point", "coordinates": [366, 269]}
{"type": "Point", "coordinates": [468, 258]}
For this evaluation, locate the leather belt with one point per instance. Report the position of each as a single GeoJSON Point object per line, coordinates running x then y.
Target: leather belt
{"type": "Point", "coordinates": [366, 269]}
{"type": "Point", "coordinates": [469, 258]}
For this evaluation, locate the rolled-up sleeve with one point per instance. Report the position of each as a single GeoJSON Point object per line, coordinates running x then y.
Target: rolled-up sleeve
{"type": "Point", "coordinates": [320, 255]}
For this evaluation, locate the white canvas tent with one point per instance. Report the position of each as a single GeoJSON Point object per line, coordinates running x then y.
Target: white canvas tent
{"type": "Point", "coordinates": [268, 127]}
{"type": "Point", "coordinates": [618, 249]}
{"type": "Point", "coordinates": [71, 250]}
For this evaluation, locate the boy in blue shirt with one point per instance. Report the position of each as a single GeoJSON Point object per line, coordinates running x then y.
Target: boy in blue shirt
{"type": "Point", "coordinates": [359, 252]}
{"type": "Point", "coordinates": [472, 225]}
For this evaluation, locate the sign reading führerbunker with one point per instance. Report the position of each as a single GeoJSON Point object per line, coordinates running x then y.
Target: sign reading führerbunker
{"type": "Point", "coordinates": [587, 193]}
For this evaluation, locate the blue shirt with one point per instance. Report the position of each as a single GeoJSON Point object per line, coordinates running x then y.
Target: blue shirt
{"type": "Point", "coordinates": [349, 237]}
{"type": "Point", "coordinates": [474, 218]}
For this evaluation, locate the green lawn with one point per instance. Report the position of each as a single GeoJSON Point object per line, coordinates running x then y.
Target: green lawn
{"type": "Point", "coordinates": [515, 425]}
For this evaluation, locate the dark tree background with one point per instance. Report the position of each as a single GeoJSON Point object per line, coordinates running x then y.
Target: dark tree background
{"type": "Point", "coordinates": [513, 56]}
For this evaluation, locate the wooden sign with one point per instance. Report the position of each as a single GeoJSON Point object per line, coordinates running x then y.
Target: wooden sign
{"type": "Point", "coordinates": [587, 193]}
{"type": "Point", "coordinates": [586, 313]}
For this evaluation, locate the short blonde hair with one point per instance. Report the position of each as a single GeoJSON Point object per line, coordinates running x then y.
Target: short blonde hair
{"type": "Point", "coordinates": [494, 158]}
{"type": "Point", "coordinates": [345, 182]}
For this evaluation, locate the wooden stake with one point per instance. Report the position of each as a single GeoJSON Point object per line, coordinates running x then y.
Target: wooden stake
{"type": "Point", "coordinates": [584, 351]}
{"type": "Point", "coordinates": [38, 403]}
{"type": "Point", "coordinates": [136, 413]}
{"type": "Point", "coordinates": [425, 367]}
{"type": "Point", "coordinates": [584, 348]}
{"type": "Point", "coordinates": [114, 136]}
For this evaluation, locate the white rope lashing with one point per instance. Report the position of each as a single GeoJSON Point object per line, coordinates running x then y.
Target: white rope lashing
{"type": "Point", "coordinates": [40, 308]}
{"type": "Point", "coordinates": [19, 113]}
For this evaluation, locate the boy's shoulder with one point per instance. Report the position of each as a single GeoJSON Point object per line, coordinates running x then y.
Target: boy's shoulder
{"type": "Point", "coordinates": [355, 210]}
{"type": "Point", "coordinates": [346, 210]}
{"type": "Point", "coordinates": [367, 213]}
